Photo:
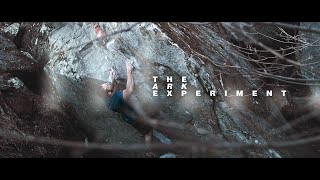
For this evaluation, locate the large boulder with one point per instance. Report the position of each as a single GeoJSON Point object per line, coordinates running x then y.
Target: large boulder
{"type": "Point", "coordinates": [309, 55]}
{"type": "Point", "coordinates": [12, 59]}
{"type": "Point", "coordinates": [24, 110]}
{"type": "Point", "coordinates": [25, 113]}
{"type": "Point", "coordinates": [77, 64]}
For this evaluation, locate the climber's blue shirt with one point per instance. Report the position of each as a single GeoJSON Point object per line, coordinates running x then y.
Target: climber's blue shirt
{"type": "Point", "coordinates": [116, 103]}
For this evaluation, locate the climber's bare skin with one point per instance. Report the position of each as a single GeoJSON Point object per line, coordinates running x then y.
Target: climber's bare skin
{"type": "Point", "coordinates": [110, 87]}
{"type": "Point", "coordinates": [100, 33]}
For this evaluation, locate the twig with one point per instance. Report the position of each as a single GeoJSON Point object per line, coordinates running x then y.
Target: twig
{"type": "Point", "coordinates": [138, 147]}
{"type": "Point", "coordinates": [276, 24]}
{"type": "Point", "coordinates": [253, 40]}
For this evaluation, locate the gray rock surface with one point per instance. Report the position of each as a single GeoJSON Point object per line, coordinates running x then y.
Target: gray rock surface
{"type": "Point", "coordinates": [310, 55]}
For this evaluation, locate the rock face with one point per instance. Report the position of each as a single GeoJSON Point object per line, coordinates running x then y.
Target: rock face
{"type": "Point", "coordinates": [12, 59]}
{"type": "Point", "coordinates": [309, 55]}
{"type": "Point", "coordinates": [77, 64]}
{"type": "Point", "coordinates": [23, 111]}
{"type": "Point", "coordinates": [241, 119]}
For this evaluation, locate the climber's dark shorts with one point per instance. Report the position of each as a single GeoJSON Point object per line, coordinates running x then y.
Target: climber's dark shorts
{"type": "Point", "coordinates": [141, 127]}
{"type": "Point", "coordinates": [116, 103]}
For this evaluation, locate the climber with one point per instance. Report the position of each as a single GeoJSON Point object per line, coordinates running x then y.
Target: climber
{"type": "Point", "coordinates": [100, 33]}
{"type": "Point", "coordinates": [119, 101]}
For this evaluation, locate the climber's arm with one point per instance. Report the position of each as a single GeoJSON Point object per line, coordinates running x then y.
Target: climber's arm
{"type": "Point", "coordinates": [113, 81]}
{"type": "Point", "coordinates": [130, 83]}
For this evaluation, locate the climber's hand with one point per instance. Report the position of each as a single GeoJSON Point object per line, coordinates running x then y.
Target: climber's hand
{"type": "Point", "coordinates": [100, 33]}
{"type": "Point", "coordinates": [113, 73]}
{"type": "Point", "coordinates": [129, 68]}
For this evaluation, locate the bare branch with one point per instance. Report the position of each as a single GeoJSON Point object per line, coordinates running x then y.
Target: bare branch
{"type": "Point", "coordinates": [186, 146]}
{"type": "Point", "coordinates": [253, 40]}
{"type": "Point", "coordinates": [290, 26]}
